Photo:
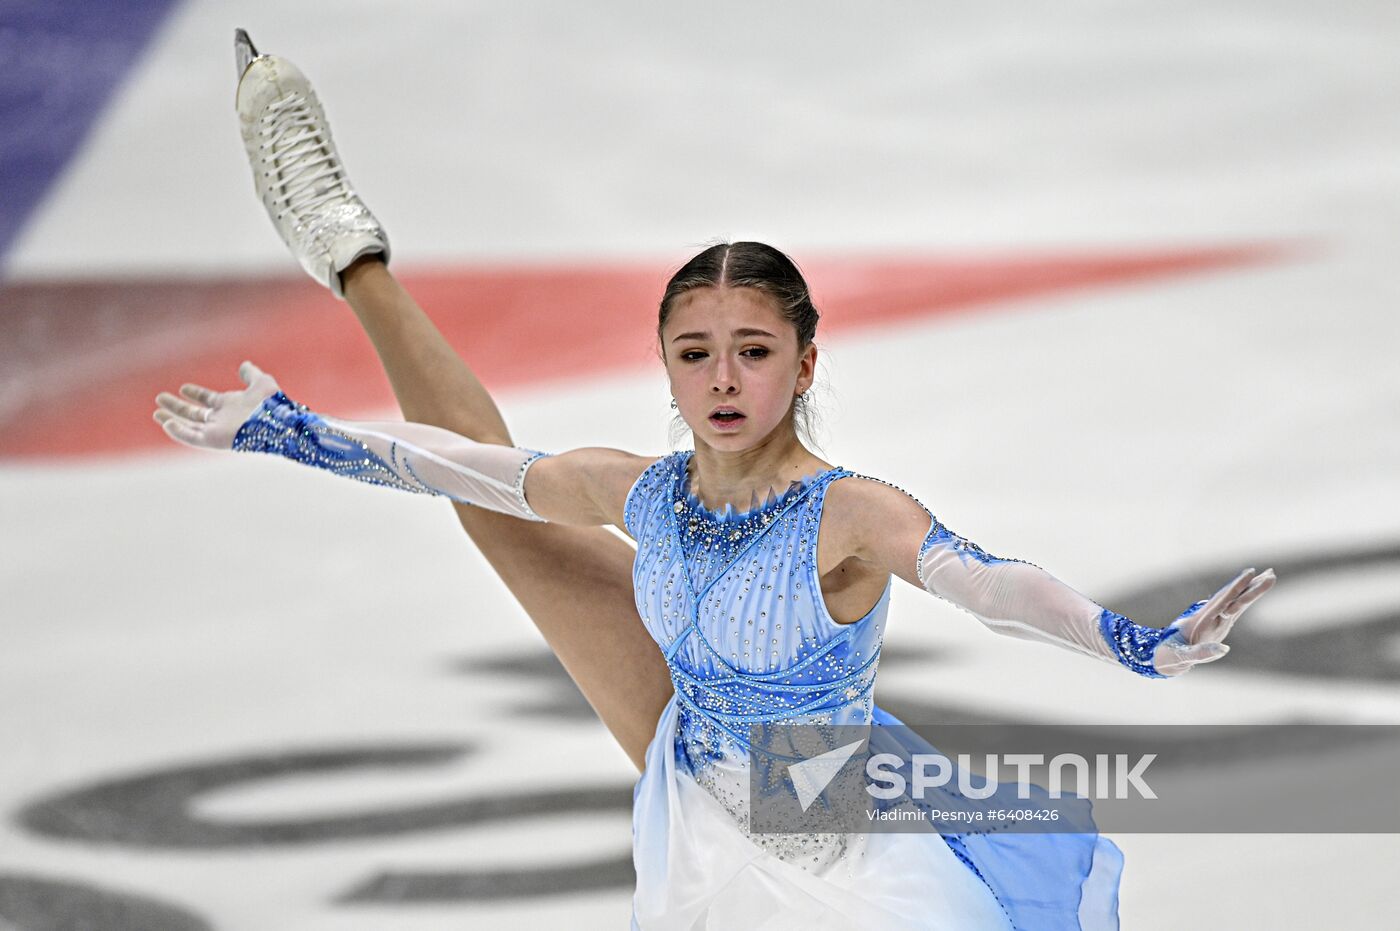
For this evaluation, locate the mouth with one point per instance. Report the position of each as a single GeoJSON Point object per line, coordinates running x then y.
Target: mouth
{"type": "Point", "coordinates": [726, 418]}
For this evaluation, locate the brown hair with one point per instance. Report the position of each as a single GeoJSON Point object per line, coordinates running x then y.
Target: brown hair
{"type": "Point", "coordinates": [747, 265]}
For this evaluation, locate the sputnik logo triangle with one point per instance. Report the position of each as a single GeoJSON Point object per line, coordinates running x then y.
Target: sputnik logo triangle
{"type": "Point", "coordinates": [811, 777]}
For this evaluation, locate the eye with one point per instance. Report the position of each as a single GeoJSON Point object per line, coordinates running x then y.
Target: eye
{"type": "Point", "coordinates": [692, 355]}
{"type": "Point", "coordinates": [756, 352]}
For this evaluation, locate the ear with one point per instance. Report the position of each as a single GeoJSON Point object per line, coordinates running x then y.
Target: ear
{"type": "Point", "coordinates": [807, 368]}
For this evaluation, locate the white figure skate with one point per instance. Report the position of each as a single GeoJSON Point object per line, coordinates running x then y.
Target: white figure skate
{"type": "Point", "coordinates": [297, 171]}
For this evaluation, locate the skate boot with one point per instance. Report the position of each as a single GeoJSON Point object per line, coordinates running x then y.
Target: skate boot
{"type": "Point", "coordinates": [296, 170]}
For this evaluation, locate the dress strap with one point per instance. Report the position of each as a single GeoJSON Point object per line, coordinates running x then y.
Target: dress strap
{"type": "Point", "coordinates": [818, 504]}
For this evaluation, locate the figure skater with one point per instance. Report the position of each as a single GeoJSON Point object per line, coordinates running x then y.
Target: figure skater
{"type": "Point", "coordinates": [770, 613]}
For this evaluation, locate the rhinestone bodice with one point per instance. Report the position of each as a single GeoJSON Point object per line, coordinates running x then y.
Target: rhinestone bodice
{"type": "Point", "coordinates": [734, 601]}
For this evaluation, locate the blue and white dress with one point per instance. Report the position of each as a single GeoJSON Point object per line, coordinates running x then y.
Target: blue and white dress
{"type": "Point", "coordinates": [734, 602]}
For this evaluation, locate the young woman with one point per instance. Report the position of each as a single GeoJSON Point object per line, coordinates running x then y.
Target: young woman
{"type": "Point", "coordinates": [762, 573]}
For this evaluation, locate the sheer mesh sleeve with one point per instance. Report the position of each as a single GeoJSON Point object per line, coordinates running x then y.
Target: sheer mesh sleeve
{"type": "Point", "coordinates": [1022, 600]}
{"type": "Point", "coordinates": [408, 456]}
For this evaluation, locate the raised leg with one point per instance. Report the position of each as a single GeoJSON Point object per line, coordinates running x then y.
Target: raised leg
{"type": "Point", "coordinates": [574, 582]}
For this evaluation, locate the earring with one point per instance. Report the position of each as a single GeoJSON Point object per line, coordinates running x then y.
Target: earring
{"type": "Point", "coordinates": [675, 405]}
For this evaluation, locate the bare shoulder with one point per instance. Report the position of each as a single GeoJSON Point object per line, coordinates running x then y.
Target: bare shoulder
{"type": "Point", "coordinates": [866, 515]}
{"type": "Point", "coordinates": [584, 486]}
{"type": "Point", "coordinates": [587, 485]}
{"type": "Point", "coordinates": [861, 499]}
{"type": "Point", "coordinates": [611, 468]}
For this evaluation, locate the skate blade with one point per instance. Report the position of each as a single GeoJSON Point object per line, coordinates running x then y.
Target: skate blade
{"type": "Point", "coordinates": [244, 51]}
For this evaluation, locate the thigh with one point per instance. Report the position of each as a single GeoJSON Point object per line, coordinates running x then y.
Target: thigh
{"type": "Point", "coordinates": [575, 583]}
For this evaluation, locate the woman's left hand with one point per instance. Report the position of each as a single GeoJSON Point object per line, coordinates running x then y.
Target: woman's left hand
{"type": "Point", "coordinates": [1201, 628]}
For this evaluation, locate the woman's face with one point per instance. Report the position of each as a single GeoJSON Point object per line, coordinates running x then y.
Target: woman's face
{"type": "Point", "coordinates": [734, 365]}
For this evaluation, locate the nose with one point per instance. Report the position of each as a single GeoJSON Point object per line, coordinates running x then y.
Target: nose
{"type": "Point", "coordinates": [724, 381]}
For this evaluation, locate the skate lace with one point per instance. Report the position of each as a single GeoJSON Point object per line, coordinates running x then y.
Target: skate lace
{"type": "Point", "coordinates": [308, 169]}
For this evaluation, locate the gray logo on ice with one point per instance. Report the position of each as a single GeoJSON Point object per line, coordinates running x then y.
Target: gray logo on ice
{"type": "Point", "coordinates": [811, 777]}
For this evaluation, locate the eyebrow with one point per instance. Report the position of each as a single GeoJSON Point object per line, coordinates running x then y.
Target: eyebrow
{"type": "Point", "coordinates": [745, 331]}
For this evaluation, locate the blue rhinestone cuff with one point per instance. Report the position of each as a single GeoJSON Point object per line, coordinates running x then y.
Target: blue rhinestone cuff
{"type": "Point", "coordinates": [285, 428]}
{"type": "Point", "coordinates": [1133, 643]}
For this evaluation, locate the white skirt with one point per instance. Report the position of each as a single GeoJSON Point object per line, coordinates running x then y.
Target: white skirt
{"type": "Point", "coordinates": [698, 871]}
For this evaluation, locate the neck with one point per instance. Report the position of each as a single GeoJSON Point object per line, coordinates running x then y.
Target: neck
{"type": "Point", "coordinates": [720, 476]}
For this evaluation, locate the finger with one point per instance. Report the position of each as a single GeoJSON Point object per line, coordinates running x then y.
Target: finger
{"type": "Point", "coordinates": [1257, 587]}
{"type": "Point", "coordinates": [1203, 652]}
{"type": "Point", "coordinates": [201, 394]}
{"type": "Point", "coordinates": [1232, 589]}
{"type": "Point", "coordinates": [181, 407]}
{"type": "Point", "coordinates": [186, 410]}
{"type": "Point", "coordinates": [1261, 584]}
{"type": "Point", "coordinates": [249, 372]}
{"type": "Point", "coordinates": [1235, 609]}
{"type": "Point", "coordinates": [1220, 630]}
{"type": "Point", "coordinates": [1193, 627]}
{"type": "Point", "coordinates": [1217, 651]}
{"type": "Point", "coordinates": [1172, 658]}
{"type": "Point", "coordinates": [162, 415]}
{"type": "Point", "coordinates": [184, 432]}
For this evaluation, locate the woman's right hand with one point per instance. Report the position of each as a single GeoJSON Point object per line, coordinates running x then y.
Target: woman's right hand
{"type": "Point", "coordinates": [210, 419]}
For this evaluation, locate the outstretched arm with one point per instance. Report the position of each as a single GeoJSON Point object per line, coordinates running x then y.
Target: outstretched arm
{"type": "Point", "coordinates": [1022, 600]}
{"type": "Point", "coordinates": [582, 487]}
